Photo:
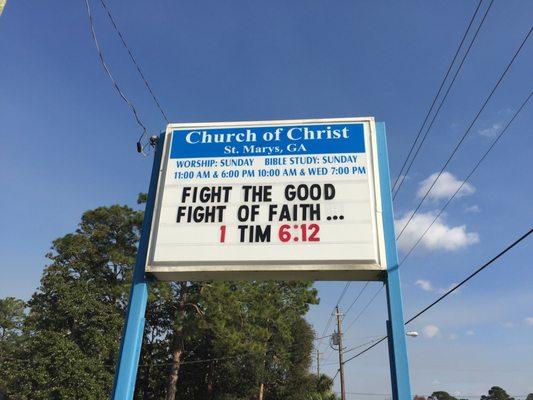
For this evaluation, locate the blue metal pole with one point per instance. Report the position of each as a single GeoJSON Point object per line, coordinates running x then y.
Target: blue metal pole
{"type": "Point", "coordinates": [132, 334]}
{"type": "Point", "coordinates": [399, 366]}
{"type": "Point", "coordinates": [392, 361]}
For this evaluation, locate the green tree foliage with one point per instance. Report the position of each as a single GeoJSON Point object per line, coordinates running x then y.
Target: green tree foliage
{"type": "Point", "coordinates": [71, 333]}
{"type": "Point", "coordinates": [11, 317]}
{"type": "Point", "coordinates": [236, 339]}
{"type": "Point", "coordinates": [497, 393]}
{"type": "Point", "coordinates": [11, 322]}
{"type": "Point", "coordinates": [258, 330]}
{"type": "Point", "coordinates": [441, 395]}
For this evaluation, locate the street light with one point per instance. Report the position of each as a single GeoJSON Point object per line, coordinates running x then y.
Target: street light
{"type": "Point", "coordinates": [411, 333]}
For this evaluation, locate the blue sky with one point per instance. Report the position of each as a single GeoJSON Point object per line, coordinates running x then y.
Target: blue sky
{"type": "Point", "coordinates": [68, 146]}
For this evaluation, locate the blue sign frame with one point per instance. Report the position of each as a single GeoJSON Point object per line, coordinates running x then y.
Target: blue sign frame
{"type": "Point", "coordinates": [130, 348]}
{"type": "Point", "coordinates": [398, 360]}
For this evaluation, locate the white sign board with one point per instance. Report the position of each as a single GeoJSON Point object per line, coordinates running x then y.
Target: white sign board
{"type": "Point", "coordinates": [294, 199]}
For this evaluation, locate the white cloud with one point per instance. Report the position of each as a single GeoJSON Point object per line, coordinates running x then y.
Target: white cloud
{"type": "Point", "coordinates": [439, 237]}
{"type": "Point", "coordinates": [403, 177]}
{"type": "Point", "coordinates": [470, 333]}
{"type": "Point", "coordinates": [444, 188]}
{"type": "Point", "coordinates": [508, 324]}
{"type": "Point", "coordinates": [491, 131]}
{"type": "Point", "coordinates": [472, 209]}
{"type": "Point", "coordinates": [529, 321]}
{"type": "Point", "coordinates": [505, 111]}
{"type": "Point", "coordinates": [428, 287]}
{"type": "Point", "coordinates": [425, 285]}
{"type": "Point", "coordinates": [453, 336]}
{"type": "Point", "coordinates": [453, 284]}
{"type": "Point", "coordinates": [431, 331]}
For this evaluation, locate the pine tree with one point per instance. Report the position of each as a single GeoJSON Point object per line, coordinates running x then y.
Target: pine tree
{"type": "Point", "coordinates": [236, 340]}
{"type": "Point", "coordinates": [497, 393]}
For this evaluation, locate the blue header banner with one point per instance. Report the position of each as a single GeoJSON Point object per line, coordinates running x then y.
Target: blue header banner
{"type": "Point", "coordinates": [268, 141]}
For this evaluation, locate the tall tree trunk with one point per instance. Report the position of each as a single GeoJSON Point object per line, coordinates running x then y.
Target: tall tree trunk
{"type": "Point", "coordinates": [146, 386]}
{"type": "Point", "coordinates": [177, 351]}
{"type": "Point", "coordinates": [210, 379]}
{"type": "Point", "coordinates": [176, 347]}
{"type": "Point", "coordinates": [261, 391]}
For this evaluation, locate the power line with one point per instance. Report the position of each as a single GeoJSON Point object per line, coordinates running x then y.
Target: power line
{"type": "Point", "coordinates": [448, 292]}
{"type": "Point", "coordinates": [444, 98]}
{"type": "Point", "coordinates": [343, 293]}
{"type": "Point", "coordinates": [108, 72]}
{"type": "Point", "coordinates": [330, 353]}
{"type": "Point", "coordinates": [467, 177]}
{"type": "Point", "coordinates": [192, 361]}
{"type": "Point", "coordinates": [462, 395]}
{"type": "Point", "coordinates": [190, 353]}
{"type": "Point", "coordinates": [323, 336]}
{"type": "Point", "coordinates": [356, 298]}
{"type": "Point", "coordinates": [466, 132]}
{"type": "Point", "coordinates": [367, 349]}
{"type": "Point", "coordinates": [353, 303]}
{"type": "Point", "coordinates": [346, 286]}
{"type": "Point", "coordinates": [524, 236]}
{"type": "Point", "coordinates": [181, 362]}
{"type": "Point", "coordinates": [365, 307]}
{"type": "Point", "coordinates": [334, 376]}
{"type": "Point", "coordinates": [425, 309]}
{"type": "Point", "coordinates": [364, 337]}
{"type": "Point", "coordinates": [361, 345]}
{"type": "Point", "coordinates": [370, 394]}
{"type": "Point", "coordinates": [350, 349]}
{"type": "Point", "coordinates": [436, 96]}
{"type": "Point", "coordinates": [137, 66]}
{"type": "Point", "coordinates": [184, 362]}
{"type": "Point", "coordinates": [341, 352]}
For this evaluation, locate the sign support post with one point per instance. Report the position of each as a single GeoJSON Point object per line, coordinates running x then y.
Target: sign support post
{"type": "Point", "coordinates": [399, 366]}
{"type": "Point", "coordinates": [132, 333]}
{"type": "Point", "coordinates": [220, 199]}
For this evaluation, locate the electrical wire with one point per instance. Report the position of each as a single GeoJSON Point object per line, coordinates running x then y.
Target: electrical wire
{"type": "Point", "coordinates": [137, 66]}
{"type": "Point", "coordinates": [449, 291]}
{"type": "Point", "coordinates": [365, 308]}
{"type": "Point", "coordinates": [355, 301]}
{"type": "Point", "coordinates": [361, 345]}
{"type": "Point", "coordinates": [477, 396]}
{"type": "Point", "coordinates": [369, 394]}
{"type": "Point", "coordinates": [467, 178]}
{"type": "Point", "coordinates": [108, 72]}
{"type": "Point", "coordinates": [437, 95]}
{"type": "Point", "coordinates": [323, 336]}
{"type": "Point", "coordinates": [466, 132]}
{"type": "Point", "coordinates": [346, 286]}
{"type": "Point", "coordinates": [443, 99]}
{"type": "Point", "coordinates": [338, 301]}
{"type": "Point", "coordinates": [331, 352]}
{"type": "Point", "coordinates": [343, 293]}
{"type": "Point", "coordinates": [186, 361]}
{"type": "Point", "coordinates": [345, 339]}
{"type": "Point", "coordinates": [192, 361]}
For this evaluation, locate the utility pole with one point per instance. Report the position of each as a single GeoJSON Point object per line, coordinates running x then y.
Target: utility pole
{"type": "Point", "coordinates": [341, 359]}
{"type": "Point", "coordinates": [317, 362]}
